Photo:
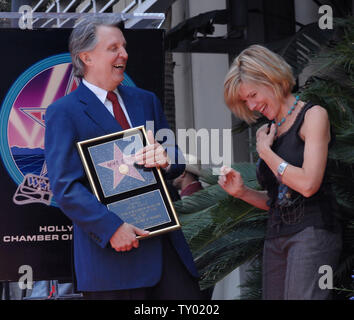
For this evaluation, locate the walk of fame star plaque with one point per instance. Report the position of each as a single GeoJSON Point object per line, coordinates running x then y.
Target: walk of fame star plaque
{"type": "Point", "coordinates": [138, 195]}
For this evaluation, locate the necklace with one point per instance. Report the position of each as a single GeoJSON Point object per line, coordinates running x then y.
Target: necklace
{"type": "Point", "coordinates": [292, 108]}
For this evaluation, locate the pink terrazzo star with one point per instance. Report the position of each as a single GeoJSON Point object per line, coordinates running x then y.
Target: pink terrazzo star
{"type": "Point", "coordinates": [120, 167]}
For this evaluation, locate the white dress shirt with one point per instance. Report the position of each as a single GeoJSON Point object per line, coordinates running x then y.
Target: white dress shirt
{"type": "Point", "coordinates": [101, 94]}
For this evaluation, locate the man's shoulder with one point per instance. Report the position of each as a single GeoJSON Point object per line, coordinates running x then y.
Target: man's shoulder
{"type": "Point", "coordinates": [64, 102]}
{"type": "Point", "coordinates": [135, 90]}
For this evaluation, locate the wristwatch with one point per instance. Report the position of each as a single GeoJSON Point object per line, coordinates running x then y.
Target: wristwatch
{"type": "Point", "coordinates": [282, 167]}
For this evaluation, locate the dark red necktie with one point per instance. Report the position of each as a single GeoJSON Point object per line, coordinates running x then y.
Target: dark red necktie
{"type": "Point", "coordinates": [118, 111]}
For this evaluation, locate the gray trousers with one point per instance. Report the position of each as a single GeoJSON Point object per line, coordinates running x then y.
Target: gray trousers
{"type": "Point", "coordinates": [291, 264]}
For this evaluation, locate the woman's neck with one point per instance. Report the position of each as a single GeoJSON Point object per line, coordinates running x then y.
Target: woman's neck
{"type": "Point", "coordinates": [285, 106]}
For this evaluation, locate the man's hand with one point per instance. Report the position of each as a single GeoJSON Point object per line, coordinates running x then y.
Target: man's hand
{"type": "Point", "coordinates": [124, 239]}
{"type": "Point", "coordinates": [152, 155]}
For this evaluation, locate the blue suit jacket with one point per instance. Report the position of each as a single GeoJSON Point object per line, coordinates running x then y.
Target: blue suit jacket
{"type": "Point", "coordinates": [80, 116]}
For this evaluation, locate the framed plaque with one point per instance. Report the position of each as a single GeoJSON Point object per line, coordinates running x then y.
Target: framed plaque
{"type": "Point", "coordinates": [138, 195]}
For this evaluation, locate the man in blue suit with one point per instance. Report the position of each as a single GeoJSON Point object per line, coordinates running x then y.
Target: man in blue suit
{"type": "Point", "coordinates": [110, 263]}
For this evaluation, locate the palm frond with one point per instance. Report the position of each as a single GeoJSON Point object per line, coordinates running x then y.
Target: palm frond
{"type": "Point", "coordinates": [342, 275]}
{"type": "Point", "coordinates": [251, 289]}
{"type": "Point", "coordinates": [230, 251]}
{"type": "Point", "coordinates": [208, 176]}
{"type": "Point", "coordinates": [332, 87]}
{"type": "Point", "coordinates": [200, 200]}
{"type": "Point", "coordinates": [208, 225]}
{"type": "Point", "coordinates": [213, 193]}
{"type": "Point", "coordinates": [342, 152]}
{"type": "Point", "coordinates": [304, 45]}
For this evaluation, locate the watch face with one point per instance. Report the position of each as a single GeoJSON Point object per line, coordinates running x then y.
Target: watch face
{"type": "Point", "coordinates": [282, 167]}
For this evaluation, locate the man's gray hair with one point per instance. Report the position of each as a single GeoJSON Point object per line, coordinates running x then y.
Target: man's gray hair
{"type": "Point", "coordinates": [83, 38]}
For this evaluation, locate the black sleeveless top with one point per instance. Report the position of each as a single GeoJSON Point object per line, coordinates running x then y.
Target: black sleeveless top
{"type": "Point", "coordinates": [290, 212]}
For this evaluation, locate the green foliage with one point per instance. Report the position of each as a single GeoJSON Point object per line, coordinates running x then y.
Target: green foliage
{"type": "Point", "coordinates": [332, 86]}
{"type": "Point", "coordinates": [231, 250]}
{"type": "Point", "coordinates": [303, 46]}
{"type": "Point", "coordinates": [252, 287]}
{"type": "Point", "coordinates": [5, 5]}
{"type": "Point", "coordinates": [223, 232]}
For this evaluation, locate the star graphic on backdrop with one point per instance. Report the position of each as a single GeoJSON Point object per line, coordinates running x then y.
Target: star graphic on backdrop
{"type": "Point", "coordinates": [36, 114]}
{"type": "Point", "coordinates": [120, 167]}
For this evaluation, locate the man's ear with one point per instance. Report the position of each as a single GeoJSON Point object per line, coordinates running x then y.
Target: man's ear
{"type": "Point", "coordinates": [85, 58]}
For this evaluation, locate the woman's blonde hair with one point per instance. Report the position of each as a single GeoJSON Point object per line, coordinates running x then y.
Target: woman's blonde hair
{"type": "Point", "coordinates": [260, 66]}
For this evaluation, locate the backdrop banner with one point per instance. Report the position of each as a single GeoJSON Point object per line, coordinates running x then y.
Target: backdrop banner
{"type": "Point", "coordinates": [36, 71]}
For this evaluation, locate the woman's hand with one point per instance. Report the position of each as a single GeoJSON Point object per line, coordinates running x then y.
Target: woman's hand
{"type": "Point", "coordinates": [265, 139]}
{"type": "Point", "coordinates": [231, 181]}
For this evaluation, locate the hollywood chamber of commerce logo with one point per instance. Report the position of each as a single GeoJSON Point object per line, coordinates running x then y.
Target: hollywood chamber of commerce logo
{"type": "Point", "coordinates": [22, 125]}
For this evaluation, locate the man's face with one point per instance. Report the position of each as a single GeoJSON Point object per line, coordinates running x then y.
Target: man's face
{"type": "Point", "coordinates": [105, 64]}
{"type": "Point", "coordinates": [177, 182]}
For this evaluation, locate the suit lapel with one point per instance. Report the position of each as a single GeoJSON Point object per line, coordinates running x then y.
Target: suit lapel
{"type": "Point", "coordinates": [96, 110]}
{"type": "Point", "coordinates": [132, 104]}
